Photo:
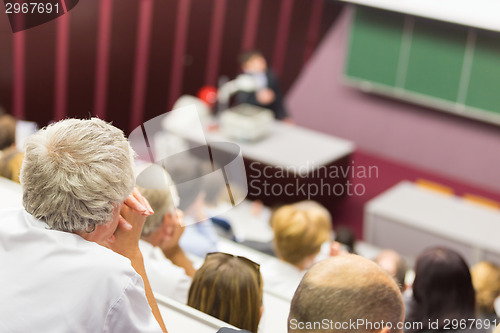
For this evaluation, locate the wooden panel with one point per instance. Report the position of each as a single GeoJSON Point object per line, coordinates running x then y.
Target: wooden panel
{"type": "Point", "coordinates": [6, 61]}
{"type": "Point", "coordinates": [40, 69]}
{"type": "Point", "coordinates": [231, 41]}
{"type": "Point", "coordinates": [160, 58]}
{"type": "Point", "coordinates": [121, 62]}
{"type": "Point", "coordinates": [266, 33]}
{"type": "Point", "coordinates": [195, 59]}
{"type": "Point", "coordinates": [82, 58]}
{"type": "Point", "coordinates": [40, 49]}
{"type": "Point", "coordinates": [296, 41]}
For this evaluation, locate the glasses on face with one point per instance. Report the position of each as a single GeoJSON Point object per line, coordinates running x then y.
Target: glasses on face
{"type": "Point", "coordinates": [255, 266]}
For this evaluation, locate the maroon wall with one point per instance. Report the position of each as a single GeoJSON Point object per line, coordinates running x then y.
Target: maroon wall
{"type": "Point", "coordinates": [129, 60]}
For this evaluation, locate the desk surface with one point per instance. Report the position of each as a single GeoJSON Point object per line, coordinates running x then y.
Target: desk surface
{"type": "Point", "coordinates": [448, 216]}
{"type": "Point", "coordinates": [180, 318]}
{"type": "Point", "coordinates": [478, 13]}
{"type": "Point", "coordinates": [290, 146]}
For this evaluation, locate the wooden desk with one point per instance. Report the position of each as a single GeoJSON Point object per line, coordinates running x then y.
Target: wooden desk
{"type": "Point", "coordinates": [408, 218]}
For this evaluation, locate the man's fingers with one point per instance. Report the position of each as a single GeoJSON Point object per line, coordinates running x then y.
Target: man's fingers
{"type": "Point", "coordinates": [136, 205]}
{"type": "Point", "coordinates": [144, 202]}
{"type": "Point", "coordinates": [122, 223]}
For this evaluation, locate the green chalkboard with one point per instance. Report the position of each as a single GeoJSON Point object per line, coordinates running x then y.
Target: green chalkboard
{"type": "Point", "coordinates": [484, 85]}
{"type": "Point", "coordinates": [368, 60]}
{"type": "Point", "coordinates": [447, 66]}
{"type": "Point", "coordinates": [436, 59]}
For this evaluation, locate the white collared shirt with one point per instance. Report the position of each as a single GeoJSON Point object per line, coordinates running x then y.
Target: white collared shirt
{"type": "Point", "coordinates": [54, 281]}
{"type": "Point", "coordinates": [281, 277]}
{"type": "Point", "coordinates": [165, 278]}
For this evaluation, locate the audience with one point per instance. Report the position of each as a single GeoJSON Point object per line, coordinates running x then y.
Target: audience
{"type": "Point", "coordinates": [168, 268]}
{"type": "Point", "coordinates": [299, 230]}
{"type": "Point", "coordinates": [442, 291]}
{"type": "Point", "coordinates": [82, 221]}
{"type": "Point", "coordinates": [341, 290]}
{"type": "Point", "coordinates": [230, 289]}
{"type": "Point", "coordinates": [10, 158]}
{"type": "Point", "coordinates": [486, 281]}
{"type": "Point", "coordinates": [58, 276]}
{"type": "Point", "coordinates": [395, 265]}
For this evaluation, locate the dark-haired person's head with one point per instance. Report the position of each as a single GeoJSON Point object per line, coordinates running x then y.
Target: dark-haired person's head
{"type": "Point", "coordinates": [345, 289]}
{"type": "Point", "coordinates": [230, 289]}
{"type": "Point", "coordinates": [253, 61]}
{"type": "Point", "coordinates": [442, 288]}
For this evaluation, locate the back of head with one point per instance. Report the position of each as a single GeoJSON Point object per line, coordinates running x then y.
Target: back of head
{"type": "Point", "coordinates": [75, 172]}
{"type": "Point", "coordinates": [299, 230]}
{"type": "Point", "coordinates": [486, 281]}
{"type": "Point", "coordinates": [244, 57]}
{"type": "Point", "coordinates": [442, 287]}
{"type": "Point", "coordinates": [7, 131]}
{"type": "Point", "coordinates": [228, 288]}
{"type": "Point", "coordinates": [394, 264]}
{"type": "Point", "coordinates": [162, 196]}
{"type": "Point", "coordinates": [185, 167]}
{"type": "Point", "coordinates": [346, 293]}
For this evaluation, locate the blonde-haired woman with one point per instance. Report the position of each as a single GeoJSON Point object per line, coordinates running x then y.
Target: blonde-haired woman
{"type": "Point", "coordinates": [229, 288]}
{"type": "Point", "coordinates": [486, 281]}
{"type": "Point", "coordinates": [300, 230]}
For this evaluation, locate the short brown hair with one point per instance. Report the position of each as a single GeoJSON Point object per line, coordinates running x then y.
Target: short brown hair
{"type": "Point", "coordinates": [229, 289]}
{"type": "Point", "coordinates": [7, 131]}
{"type": "Point", "coordinates": [343, 289]}
{"type": "Point", "coordinates": [247, 55]}
{"type": "Point", "coordinates": [300, 229]}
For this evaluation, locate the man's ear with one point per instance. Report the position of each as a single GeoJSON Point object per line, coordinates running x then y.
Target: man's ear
{"type": "Point", "coordinates": [167, 222]}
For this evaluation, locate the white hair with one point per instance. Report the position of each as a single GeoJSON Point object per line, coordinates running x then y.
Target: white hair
{"type": "Point", "coordinates": [75, 172]}
{"type": "Point", "coordinates": [162, 196]}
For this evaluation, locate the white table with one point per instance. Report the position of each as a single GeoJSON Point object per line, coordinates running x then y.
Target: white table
{"type": "Point", "coordinates": [291, 146]}
{"type": "Point", "coordinates": [181, 318]}
{"type": "Point", "coordinates": [409, 218]}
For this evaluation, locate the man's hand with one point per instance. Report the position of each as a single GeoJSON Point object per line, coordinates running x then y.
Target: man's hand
{"type": "Point", "coordinates": [265, 96]}
{"type": "Point", "coordinates": [133, 213]}
{"type": "Point", "coordinates": [125, 241]}
{"type": "Point", "coordinates": [174, 231]}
